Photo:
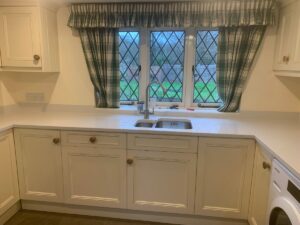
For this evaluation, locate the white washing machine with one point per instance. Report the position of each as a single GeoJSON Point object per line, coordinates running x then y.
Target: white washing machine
{"type": "Point", "coordinates": [284, 203]}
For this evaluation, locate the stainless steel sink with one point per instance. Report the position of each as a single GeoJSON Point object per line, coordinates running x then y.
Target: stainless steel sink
{"type": "Point", "coordinates": [174, 124]}
{"type": "Point", "coordinates": [145, 123]}
{"type": "Point", "coordinates": [165, 123]}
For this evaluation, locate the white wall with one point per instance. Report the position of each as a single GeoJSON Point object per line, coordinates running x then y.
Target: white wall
{"type": "Point", "coordinates": [264, 91]}
{"type": "Point", "coordinates": [5, 97]}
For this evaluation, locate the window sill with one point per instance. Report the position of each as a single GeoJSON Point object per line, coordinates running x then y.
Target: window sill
{"type": "Point", "coordinates": [164, 111]}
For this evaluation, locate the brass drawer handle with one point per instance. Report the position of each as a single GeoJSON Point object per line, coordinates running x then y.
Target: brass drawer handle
{"type": "Point", "coordinates": [266, 165]}
{"type": "Point", "coordinates": [93, 140]}
{"type": "Point", "coordinates": [56, 140]}
{"type": "Point", "coordinates": [129, 161]}
{"type": "Point", "coordinates": [36, 57]}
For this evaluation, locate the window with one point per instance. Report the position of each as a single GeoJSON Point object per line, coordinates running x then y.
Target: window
{"type": "Point", "coordinates": [166, 65]}
{"type": "Point", "coordinates": [129, 52]}
{"type": "Point", "coordinates": [204, 70]}
{"type": "Point", "coordinates": [167, 57]}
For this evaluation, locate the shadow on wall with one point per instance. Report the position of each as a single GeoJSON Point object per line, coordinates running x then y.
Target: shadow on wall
{"type": "Point", "coordinates": [292, 83]}
{"type": "Point", "coordinates": [30, 87]}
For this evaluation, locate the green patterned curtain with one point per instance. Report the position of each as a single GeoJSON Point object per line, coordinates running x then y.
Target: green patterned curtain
{"type": "Point", "coordinates": [241, 23]}
{"type": "Point", "coordinates": [101, 50]}
{"type": "Point", "coordinates": [237, 47]}
{"type": "Point", "coordinates": [198, 14]}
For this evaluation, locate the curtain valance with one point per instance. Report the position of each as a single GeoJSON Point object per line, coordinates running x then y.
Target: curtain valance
{"type": "Point", "coordinates": [203, 13]}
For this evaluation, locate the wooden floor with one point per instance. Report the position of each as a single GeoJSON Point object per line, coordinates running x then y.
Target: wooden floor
{"type": "Point", "coordinates": [26, 217]}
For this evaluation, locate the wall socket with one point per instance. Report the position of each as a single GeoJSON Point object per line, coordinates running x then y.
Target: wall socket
{"type": "Point", "coordinates": [34, 97]}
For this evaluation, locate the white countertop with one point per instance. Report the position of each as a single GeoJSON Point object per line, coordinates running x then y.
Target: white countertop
{"type": "Point", "coordinates": [279, 133]}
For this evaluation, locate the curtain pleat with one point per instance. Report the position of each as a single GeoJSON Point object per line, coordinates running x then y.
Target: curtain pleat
{"type": "Point", "coordinates": [237, 47]}
{"type": "Point", "coordinates": [202, 13]}
{"type": "Point", "coordinates": [101, 51]}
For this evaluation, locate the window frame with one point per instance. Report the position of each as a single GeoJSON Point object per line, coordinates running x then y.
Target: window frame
{"type": "Point", "coordinates": [189, 62]}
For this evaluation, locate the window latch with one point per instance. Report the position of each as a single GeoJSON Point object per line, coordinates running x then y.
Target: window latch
{"type": "Point", "coordinates": [140, 68]}
{"type": "Point", "coordinates": [193, 69]}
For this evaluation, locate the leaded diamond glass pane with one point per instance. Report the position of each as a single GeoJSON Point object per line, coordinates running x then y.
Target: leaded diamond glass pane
{"type": "Point", "coordinates": [129, 65]}
{"type": "Point", "coordinates": [166, 65]}
{"type": "Point", "coordinates": [205, 90]}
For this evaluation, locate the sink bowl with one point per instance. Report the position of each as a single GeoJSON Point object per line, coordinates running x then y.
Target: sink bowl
{"type": "Point", "coordinates": [165, 123]}
{"type": "Point", "coordinates": [145, 123]}
{"type": "Point", "coordinates": [174, 124]}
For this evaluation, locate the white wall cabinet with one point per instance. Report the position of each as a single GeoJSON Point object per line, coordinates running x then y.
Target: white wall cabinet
{"type": "Point", "coordinates": [287, 53]}
{"type": "Point", "coordinates": [161, 181]}
{"type": "Point", "coordinates": [260, 188]}
{"type": "Point", "coordinates": [94, 169]}
{"type": "Point", "coordinates": [28, 39]}
{"type": "Point", "coordinates": [224, 177]}
{"type": "Point", "coordinates": [9, 192]}
{"type": "Point", "coordinates": [39, 164]}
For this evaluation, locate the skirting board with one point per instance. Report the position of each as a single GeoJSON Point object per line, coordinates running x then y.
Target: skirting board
{"type": "Point", "coordinates": [129, 214]}
{"type": "Point", "coordinates": [10, 213]}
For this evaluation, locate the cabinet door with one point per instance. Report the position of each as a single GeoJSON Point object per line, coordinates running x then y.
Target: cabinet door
{"type": "Point", "coordinates": [260, 189]}
{"type": "Point", "coordinates": [39, 165]}
{"type": "Point", "coordinates": [224, 177]}
{"type": "Point", "coordinates": [19, 37]}
{"type": "Point", "coordinates": [284, 40]}
{"type": "Point", "coordinates": [9, 193]}
{"type": "Point", "coordinates": [294, 61]}
{"type": "Point", "coordinates": [95, 176]}
{"type": "Point", "coordinates": [287, 55]}
{"type": "Point", "coordinates": [161, 181]}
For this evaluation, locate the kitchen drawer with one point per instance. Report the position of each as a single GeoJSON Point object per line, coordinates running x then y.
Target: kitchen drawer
{"type": "Point", "coordinates": [113, 140]}
{"type": "Point", "coordinates": [166, 143]}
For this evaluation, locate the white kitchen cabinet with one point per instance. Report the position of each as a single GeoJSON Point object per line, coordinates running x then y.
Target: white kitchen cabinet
{"type": "Point", "coordinates": [224, 174]}
{"type": "Point", "coordinates": [161, 181]}
{"type": "Point", "coordinates": [9, 192]}
{"type": "Point", "coordinates": [39, 164]}
{"type": "Point", "coordinates": [260, 188]}
{"type": "Point", "coordinates": [287, 51]}
{"type": "Point", "coordinates": [28, 39]}
{"type": "Point", "coordinates": [95, 176]}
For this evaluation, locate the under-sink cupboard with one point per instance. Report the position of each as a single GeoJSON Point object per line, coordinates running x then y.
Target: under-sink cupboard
{"type": "Point", "coordinates": [182, 174]}
{"type": "Point", "coordinates": [161, 173]}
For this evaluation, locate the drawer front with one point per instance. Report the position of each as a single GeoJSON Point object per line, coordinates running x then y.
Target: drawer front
{"type": "Point", "coordinates": [112, 140]}
{"type": "Point", "coordinates": [167, 143]}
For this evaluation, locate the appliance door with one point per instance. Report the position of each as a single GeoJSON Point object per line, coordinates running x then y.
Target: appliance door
{"type": "Point", "coordinates": [283, 212]}
{"type": "Point", "coordinates": [279, 217]}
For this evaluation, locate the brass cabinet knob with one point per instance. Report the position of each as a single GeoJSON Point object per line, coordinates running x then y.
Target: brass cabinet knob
{"type": "Point", "coordinates": [129, 161]}
{"type": "Point", "coordinates": [285, 59]}
{"type": "Point", "coordinates": [93, 139]}
{"type": "Point", "coordinates": [56, 140]}
{"type": "Point", "coordinates": [36, 57]}
{"type": "Point", "coordinates": [266, 165]}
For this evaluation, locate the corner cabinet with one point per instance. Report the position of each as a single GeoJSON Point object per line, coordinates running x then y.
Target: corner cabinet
{"type": "Point", "coordinates": [260, 188]}
{"type": "Point", "coordinates": [9, 192]}
{"type": "Point", "coordinates": [287, 49]}
{"type": "Point", "coordinates": [28, 39]}
{"type": "Point", "coordinates": [224, 177]}
{"type": "Point", "coordinates": [39, 164]}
